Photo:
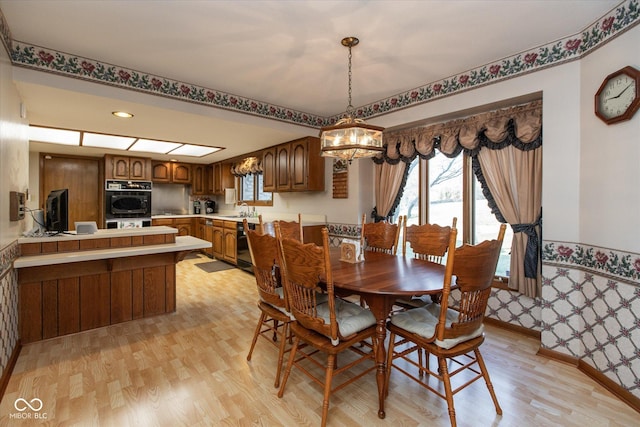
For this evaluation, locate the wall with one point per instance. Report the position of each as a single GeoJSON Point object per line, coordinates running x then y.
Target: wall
{"type": "Point", "coordinates": [14, 158]}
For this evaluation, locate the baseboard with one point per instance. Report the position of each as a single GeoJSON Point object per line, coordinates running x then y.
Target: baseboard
{"type": "Point", "coordinates": [617, 390]}
{"type": "Point", "coordinates": [6, 375]}
{"type": "Point", "coordinates": [511, 327]}
{"type": "Point", "coordinates": [614, 388]}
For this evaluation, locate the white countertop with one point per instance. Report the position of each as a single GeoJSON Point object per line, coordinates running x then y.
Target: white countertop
{"type": "Point", "coordinates": [266, 217]}
{"type": "Point", "coordinates": [183, 243]}
{"type": "Point", "coordinates": [102, 233]}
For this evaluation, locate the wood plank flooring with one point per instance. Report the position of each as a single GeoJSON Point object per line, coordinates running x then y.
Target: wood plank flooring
{"type": "Point", "coordinates": [190, 369]}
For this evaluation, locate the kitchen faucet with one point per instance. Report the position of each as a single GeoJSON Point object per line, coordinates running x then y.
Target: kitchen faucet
{"type": "Point", "coordinates": [245, 213]}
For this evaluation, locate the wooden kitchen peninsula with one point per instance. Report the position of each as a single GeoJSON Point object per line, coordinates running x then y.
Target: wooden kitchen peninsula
{"type": "Point", "coordinates": [71, 283]}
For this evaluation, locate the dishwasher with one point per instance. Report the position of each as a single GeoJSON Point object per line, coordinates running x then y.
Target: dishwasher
{"type": "Point", "coordinates": [242, 247]}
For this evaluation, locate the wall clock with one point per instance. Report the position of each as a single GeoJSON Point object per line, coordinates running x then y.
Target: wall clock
{"type": "Point", "coordinates": [618, 98]}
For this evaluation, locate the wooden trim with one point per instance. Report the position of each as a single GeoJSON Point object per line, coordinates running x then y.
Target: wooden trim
{"type": "Point", "coordinates": [514, 328]}
{"type": "Point", "coordinates": [618, 391]}
{"type": "Point", "coordinates": [597, 376]}
{"type": "Point", "coordinates": [561, 357]}
{"type": "Point", "coordinates": [11, 364]}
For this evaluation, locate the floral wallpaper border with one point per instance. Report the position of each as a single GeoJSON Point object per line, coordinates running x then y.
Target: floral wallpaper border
{"type": "Point", "coordinates": [614, 264]}
{"type": "Point", "coordinates": [618, 20]}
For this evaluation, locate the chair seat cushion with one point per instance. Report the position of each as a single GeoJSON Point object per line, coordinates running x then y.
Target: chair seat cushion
{"type": "Point", "coordinates": [351, 318]}
{"type": "Point", "coordinates": [423, 320]}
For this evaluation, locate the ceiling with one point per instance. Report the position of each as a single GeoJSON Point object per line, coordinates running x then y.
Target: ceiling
{"type": "Point", "coordinates": [286, 53]}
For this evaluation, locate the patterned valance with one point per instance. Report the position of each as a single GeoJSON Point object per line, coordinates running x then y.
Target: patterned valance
{"type": "Point", "coordinates": [247, 166]}
{"type": "Point", "coordinates": [520, 126]}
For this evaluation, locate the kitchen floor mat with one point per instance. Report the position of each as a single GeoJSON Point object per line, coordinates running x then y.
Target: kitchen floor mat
{"type": "Point", "coordinates": [213, 266]}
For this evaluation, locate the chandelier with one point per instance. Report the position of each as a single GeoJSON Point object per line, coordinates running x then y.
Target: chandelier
{"type": "Point", "coordinates": [351, 138]}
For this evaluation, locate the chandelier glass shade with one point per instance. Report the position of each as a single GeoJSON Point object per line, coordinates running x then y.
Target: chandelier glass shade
{"type": "Point", "coordinates": [351, 138]}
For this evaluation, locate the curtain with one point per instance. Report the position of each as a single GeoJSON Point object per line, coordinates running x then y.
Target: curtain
{"type": "Point", "coordinates": [506, 149]}
{"type": "Point", "coordinates": [388, 181]}
{"type": "Point", "coordinates": [514, 179]}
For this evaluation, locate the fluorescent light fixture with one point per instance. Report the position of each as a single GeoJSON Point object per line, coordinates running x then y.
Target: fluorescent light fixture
{"type": "Point", "coordinates": [194, 150]}
{"type": "Point", "coordinates": [122, 114]}
{"type": "Point", "coordinates": [153, 146]}
{"type": "Point", "coordinates": [54, 136]}
{"type": "Point", "coordinates": [106, 141]}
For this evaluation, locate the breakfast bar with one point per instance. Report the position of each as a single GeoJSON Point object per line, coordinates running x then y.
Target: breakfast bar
{"type": "Point", "coordinates": [70, 283]}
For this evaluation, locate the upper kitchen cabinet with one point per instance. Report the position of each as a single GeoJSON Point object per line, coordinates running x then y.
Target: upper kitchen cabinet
{"type": "Point", "coordinates": [198, 180]}
{"type": "Point", "coordinates": [294, 166]}
{"type": "Point", "coordinates": [129, 168]}
{"type": "Point", "coordinates": [171, 172]}
{"type": "Point", "coordinates": [222, 178]}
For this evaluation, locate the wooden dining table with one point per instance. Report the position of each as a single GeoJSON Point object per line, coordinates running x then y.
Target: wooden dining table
{"type": "Point", "coordinates": [380, 279]}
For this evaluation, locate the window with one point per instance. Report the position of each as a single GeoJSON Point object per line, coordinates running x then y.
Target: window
{"type": "Point", "coordinates": [251, 190]}
{"type": "Point", "coordinates": [446, 197]}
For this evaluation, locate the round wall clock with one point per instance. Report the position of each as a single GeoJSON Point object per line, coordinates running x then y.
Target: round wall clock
{"type": "Point", "coordinates": [618, 98]}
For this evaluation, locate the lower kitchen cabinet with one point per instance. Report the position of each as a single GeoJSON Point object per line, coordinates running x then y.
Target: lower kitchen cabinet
{"type": "Point", "coordinates": [184, 225]}
{"type": "Point", "coordinates": [230, 252]}
{"type": "Point", "coordinates": [218, 239]}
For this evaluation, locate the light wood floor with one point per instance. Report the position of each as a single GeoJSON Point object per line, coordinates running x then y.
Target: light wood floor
{"type": "Point", "coordinates": [190, 369]}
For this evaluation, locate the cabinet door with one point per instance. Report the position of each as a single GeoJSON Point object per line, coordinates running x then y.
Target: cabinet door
{"type": "Point", "coordinates": [230, 253]}
{"type": "Point", "coordinates": [181, 173]}
{"type": "Point", "coordinates": [298, 165]}
{"type": "Point", "coordinates": [198, 180]}
{"type": "Point", "coordinates": [210, 236]}
{"type": "Point", "coordinates": [120, 167]}
{"type": "Point", "coordinates": [218, 242]}
{"type": "Point", "coordinates": [269, 170]}
{"type": "Point", "coordinates": [283, 181]}
{"type": "Point", "coordinates": [208, 180]}
{"type": "Point", "coordinates": [217, 179]}
{"type": "Point", "coordinates": [161, 172]}
{"type": "Point", "coordinates": [184, 227]}
{"type": "Point", "coordinates": [139, 168]}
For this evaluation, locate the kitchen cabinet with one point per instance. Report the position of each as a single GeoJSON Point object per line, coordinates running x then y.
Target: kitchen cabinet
{"type": "Point", "coordinates": [222, 178]}
{"type": "Point", "coordinates": [294, 166]}
{"type": "Point", "coordinates": [171, 172]}
{"type": "Point", "coordinates": [129, 168]}
{"type": "Point", "coordinates": [183, 225]}
{"type": "Point", "coordinates": [217, 239]}
{"type": "Point", "coordinates": [230, 250]}
{"type": "Point", "coordinates": [198, 180]}
{"type": "Point", "coordinates": [208, 182]}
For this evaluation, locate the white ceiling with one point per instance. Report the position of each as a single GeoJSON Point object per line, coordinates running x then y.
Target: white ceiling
{"type": "Point", "coordinates": [286, 53]}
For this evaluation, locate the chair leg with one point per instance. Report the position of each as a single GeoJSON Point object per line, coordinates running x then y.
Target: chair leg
{"type": "Point", "coordinates": [283, 343]}
{"type": "Point", "coordinates": [287, 371]}
{"type": "Point", "coordinates": [275, 330]}
{"type": "Point", "coordinates": [442, 363]}
{"type": "Point", "coordinates": [487, 380]}
{"type": "Point", "coordinates": [328, 377]}
{"type": "Point", "coordinates": [392, 343]}
{"type": "Point", "coordinates": [256, 333]}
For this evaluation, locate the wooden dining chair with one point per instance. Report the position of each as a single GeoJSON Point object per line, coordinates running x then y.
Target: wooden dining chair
{"type": "Point", "coordinates": [274, 320]}
{"type": "Point", "coordinates": [292, 229]}
{"type": "Point", "coordinates": [330, 328]}
{"type": "Point", "coordinates": [452, 334]}
{"type": "Point", "coordinates": [429, 242]}
{"type": "Point", "coordinates": [380, 236]}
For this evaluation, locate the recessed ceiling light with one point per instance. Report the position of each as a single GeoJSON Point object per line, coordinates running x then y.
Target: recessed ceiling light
{"type": "Point", "coordinates": [153, 146]}
{"type": "Point", "coordinates": [54, 136]}
{"type": "Point", "coordinates": [194, 150]}
{"type": "Point", "coordinates": [122, 114]}
{"type": "Point", "coordinates": [106, 141]}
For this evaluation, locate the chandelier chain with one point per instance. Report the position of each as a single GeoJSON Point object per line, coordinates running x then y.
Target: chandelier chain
{"type": "Point", "coordinates": [350, 106]}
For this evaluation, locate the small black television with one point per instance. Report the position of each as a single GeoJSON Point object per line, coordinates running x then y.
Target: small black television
{"type": "Point", "coordinates": [57, 211]}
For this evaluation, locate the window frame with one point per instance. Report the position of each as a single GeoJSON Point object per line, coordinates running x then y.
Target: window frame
{"type": "Point", "coordinates": [254, 201]}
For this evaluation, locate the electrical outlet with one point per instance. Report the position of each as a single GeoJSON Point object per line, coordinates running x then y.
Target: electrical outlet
{"type": "Point", "coordinates": [16, 206]}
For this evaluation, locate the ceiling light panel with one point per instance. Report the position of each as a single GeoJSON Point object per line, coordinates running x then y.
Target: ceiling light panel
{"type": "Point", "coordinates": [106, 141]}
{"type": "Point", "coordinates": [194, 150]}
{"type": "Point", "coordinates": [153, 146]}
{"type": "Point", "coordinates": [54, 136]}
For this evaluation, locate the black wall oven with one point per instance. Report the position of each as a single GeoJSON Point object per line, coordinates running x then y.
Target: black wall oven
{"type": "Point", "coordinates": [127, 204]}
